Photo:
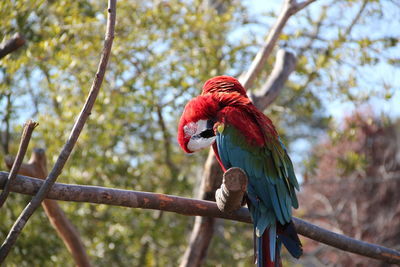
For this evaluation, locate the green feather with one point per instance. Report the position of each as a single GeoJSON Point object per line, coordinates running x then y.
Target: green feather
{"type": "Point", "coordinates": [270, 174]}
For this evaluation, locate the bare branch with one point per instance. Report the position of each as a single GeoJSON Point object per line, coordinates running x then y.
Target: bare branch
{"type": "Point", "coordinates": [167, 142]}
{"type": "Point", "coordinates": [190, 207]}
{"type": "Point", "coordinates": [202, 233]}
{"type": "Point", "coordinates": [36, 167]}
{"type": "Point", "coordinates": [290, 8]}
{"type": "Point", "coordinates": [356, 18]}
{"type": "Point", "coordinates": [23, 146]}
{"type": "Point", "coordinates": [285, 64]}
{"type": "Point", "coordinates": [300, 6]}
{"type": "Point", "coordinates": [11, 45]}
{"type": "Point", "coordinates": [66, 151]}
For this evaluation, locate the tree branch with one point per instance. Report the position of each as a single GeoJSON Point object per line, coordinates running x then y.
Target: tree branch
{"type": "Point", "coordinates": [23, 146]}
{"type": "Point", "coordinates": [167, 141]}
{"type": "Point", "coordinates": [66, 151]}
{"type": "Point", "coordinates": [37, 167]}
{"type": "Point", "coordinates": [229, 196]}
{"type": "Point", "coordinates": [190, 207]}
{"type": "Point", "coordinates": [200, 238]}
{"type": "Point", "coordinates": [285, 64]}
{"type": "Point", "coordinates": [11, 45]}
{"type": "Point", "coordinates": [290, 8]}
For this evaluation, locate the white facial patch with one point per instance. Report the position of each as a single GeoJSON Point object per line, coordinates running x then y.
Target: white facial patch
{"type": "Point", "coordinates": [197, 142]}
{"type": "Point", "coordinates": [190, 129]}
{"type": "Point", "coordinates": [200, 143]}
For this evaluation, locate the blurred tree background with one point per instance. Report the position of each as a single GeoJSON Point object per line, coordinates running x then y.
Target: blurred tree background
{"type": "Point", "coordinates": [348, 57]}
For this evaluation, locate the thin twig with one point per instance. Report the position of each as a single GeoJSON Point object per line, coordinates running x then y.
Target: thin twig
{"type": "Point", "coordinates": [356, 18]}
{"type": "Point", "coordinates": [167, 141]}
{"type": "Point", "coordinates": [76, 130]}
{"type": "Point", "coordinates": [11, 45]}
{"type": "Point", "coordinates": [190, 207]}
{"type": "Point", "coordinates": [23, 146]}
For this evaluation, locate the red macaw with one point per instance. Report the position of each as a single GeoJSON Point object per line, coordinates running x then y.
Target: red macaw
{"type": "Point", "coordinates": [242, 136]}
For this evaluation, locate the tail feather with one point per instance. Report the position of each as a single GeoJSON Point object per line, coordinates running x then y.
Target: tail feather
{"type": "Point", "coordinates": [288, 235]}
{"type": "Point", "coordinates": [264, 250]}
{"type": "Point", "coordinates": [268, 246]}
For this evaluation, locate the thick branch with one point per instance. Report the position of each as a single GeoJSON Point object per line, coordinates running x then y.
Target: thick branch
{"type": "Point", "coordinates": [191, 207]}
{"type": "Point", "coordinates": [36, 167]}
{"type": "Point", "coordinates": [200, 238]}
{"type": "Point", "coordinates": [66, 151]}
{"type": "Point", "coordinates": [23, 146]}
{"type": "Point", "coordinates": [11, 45]}
{"type": "Point", "coordinates": [290, 8]}
{"type": "Point", "coordinates": [285, 64]}
{"type": "Point", "coordinates": [229, 196]}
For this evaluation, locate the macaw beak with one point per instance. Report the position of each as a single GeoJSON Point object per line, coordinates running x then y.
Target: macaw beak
{"type": "Point", "coordinates": [199, 134]}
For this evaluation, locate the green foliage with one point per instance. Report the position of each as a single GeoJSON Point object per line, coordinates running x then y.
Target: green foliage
{"type": "Point", "coordinates": [162, 53]}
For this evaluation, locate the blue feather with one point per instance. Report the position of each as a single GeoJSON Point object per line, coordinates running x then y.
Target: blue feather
{"type": "Point", "coordinates": [272, 241]}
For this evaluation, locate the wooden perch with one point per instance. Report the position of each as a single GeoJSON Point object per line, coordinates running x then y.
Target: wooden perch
{"type": "Point", "coordinates": [37, 167]}
{"type": "Point", "coordinates": [229, 196]}
{"type": "Point", "coordinates": [11, 45]}
{"type": "Point", "coordinates": [191, 207]}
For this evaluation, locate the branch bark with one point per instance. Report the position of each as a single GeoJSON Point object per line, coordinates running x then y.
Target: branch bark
{"type": "Point", "coordinates": [229, 196]}
{"type": "Point", "coordinates": [190, 207]}
{"type": "Point", "coordinates": [37, 167]}
{"type": "Point", "coordinates": [76, 130]}
{"type": "Point", "coordinates": [23, 146]}
{"type": "Point", "coordinates": [285, 64]}
{"type": "Point", "coordinates": [11, 45]}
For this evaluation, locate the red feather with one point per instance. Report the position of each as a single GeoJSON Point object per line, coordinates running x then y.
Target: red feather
{"type": "Point", "coordinates": [199, 108]}
{"type": "Point", "coordinates": [225, 84]}
{"type": "Point", "coordinates": [232, 108]}
{"type": "Point", "coordinates": [240, 112]}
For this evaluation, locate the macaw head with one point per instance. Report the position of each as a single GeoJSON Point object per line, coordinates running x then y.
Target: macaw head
{"type": "Point", "coordinates": [223, 84]}
{"type": "Point", "coordinates": [195, 130]}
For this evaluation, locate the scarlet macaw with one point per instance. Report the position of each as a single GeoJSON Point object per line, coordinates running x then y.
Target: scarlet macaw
{"type": "Point", "coordinates": [242, 136]}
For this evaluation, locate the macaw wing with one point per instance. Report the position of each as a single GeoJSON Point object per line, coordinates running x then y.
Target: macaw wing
{"type": "Point", "coordinates": [271, 176]}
